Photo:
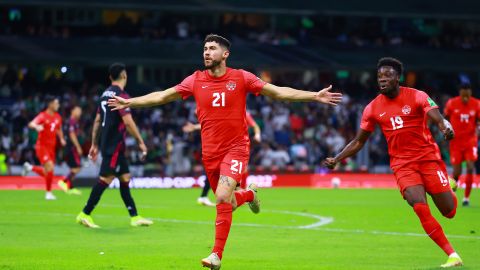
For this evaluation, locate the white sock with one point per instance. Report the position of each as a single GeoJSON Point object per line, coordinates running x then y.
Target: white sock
{"type": "Point", "coordinates": [454, 255]}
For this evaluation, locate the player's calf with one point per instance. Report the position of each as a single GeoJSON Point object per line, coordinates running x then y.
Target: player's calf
{"type": "Point", "coordinates": [446, 202]}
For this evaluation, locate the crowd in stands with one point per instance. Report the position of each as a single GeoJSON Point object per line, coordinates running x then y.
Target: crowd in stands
{"type": "Point", "coordinates": [295, 136]}
{"type": "Point", "coordinates": [337, 31]}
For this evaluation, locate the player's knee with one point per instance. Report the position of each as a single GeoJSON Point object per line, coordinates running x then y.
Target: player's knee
{"type": "Point", "coordinates": [450, 213]}
{"type": "Point", "coordinates": [222, 199]}
{"type": "Point", "coordinates": [48, 167]}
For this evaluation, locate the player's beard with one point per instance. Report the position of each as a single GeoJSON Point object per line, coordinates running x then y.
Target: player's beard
{"type": "Point", "coordinates": [213, 64]}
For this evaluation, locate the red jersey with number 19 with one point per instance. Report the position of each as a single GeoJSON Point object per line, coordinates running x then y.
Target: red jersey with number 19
{"type": "Point", "coordinates": [221, 107]}
{"type": "Point", "coordinates": [51, 124]}
{"type": "Point", "coordinates": [403, 121]}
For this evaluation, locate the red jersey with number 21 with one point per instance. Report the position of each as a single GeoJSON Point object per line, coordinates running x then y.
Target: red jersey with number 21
{"type": "Point", "coordinates": [403, 121]}
{"type": "Point", "coordinates": [221, 108]}
{"type": "Point", "coordinates": [51, 124]}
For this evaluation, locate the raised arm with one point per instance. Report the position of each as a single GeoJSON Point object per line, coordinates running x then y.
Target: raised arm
{"type": "Point", "coordinates": [93, 153]}
{"type": "Point", "coordinates": [290, 94]}
{"type": "Point", "coordinates": [351, 149]}
{"type": "Point", "coordinates": [149, 100]}
{"type": "Point", "coordinates": [133, 130]}
{"type": "Point", "coordinates": [442, 123]}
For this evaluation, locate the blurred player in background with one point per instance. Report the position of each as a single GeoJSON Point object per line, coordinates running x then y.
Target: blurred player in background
{"type": "Point", "coordinates": [189, 127]}
{"type": "Point", "coordinates": [73, 152]}
{"type": "Point", "coordinates": [48, 124]}
{"type": "Point", "coordinates": [113, 126]}
{"type": "Point", "coordinates": [220, 94]}
{"type": "Point", "coordinates": [415, 159]}
{"type": "Point", "coordinates": [464, 113]}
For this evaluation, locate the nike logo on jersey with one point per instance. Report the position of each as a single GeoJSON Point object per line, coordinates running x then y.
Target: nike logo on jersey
{"type": "Point", "coordinates": [382, 114]}
{"type": "Point", "coordinates": [219, 222]}
{"type": "Point", "coordinates": [204, 86]}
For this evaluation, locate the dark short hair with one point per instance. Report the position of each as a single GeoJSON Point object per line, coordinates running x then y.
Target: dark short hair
{"type": "Point", "coordinates": [219, 39]}
{"type": "Point", "coordinates": [115, 69]}
{"type": "Point", "coordinates": [391, 62]}
{"type": "Point", "coordinates": [464, 86]}
{"type": "Point", "coordinates": [49, 98]}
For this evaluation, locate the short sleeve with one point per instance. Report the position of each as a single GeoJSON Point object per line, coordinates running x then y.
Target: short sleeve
{"type": "Point", "coordinates": [249, 118]}
{"type": "Point", "coordinates": [253, 84]}
{"type": "Point", "coordinates": [448, 108]}
{"type": "Point", "coordinates": [185, 88]}
{"type": "Point", "coordinates": [425, 102]}
{"type": "Point", "coordinates": [125, 111]}
{"type": "Point", "coordinates": [39, 119]}
{"type": "Point", "coordinates": [367, 123]}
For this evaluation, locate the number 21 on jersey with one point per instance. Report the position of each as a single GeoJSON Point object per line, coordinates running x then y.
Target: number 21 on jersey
{"type": "Point", "coordinates": [218, 99]}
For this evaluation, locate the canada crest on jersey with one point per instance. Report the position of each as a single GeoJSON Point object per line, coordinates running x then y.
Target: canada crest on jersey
{"type": "Point", "coordinates": [406, 109]}
{"type": "Point", "coordinates": [231, 85]}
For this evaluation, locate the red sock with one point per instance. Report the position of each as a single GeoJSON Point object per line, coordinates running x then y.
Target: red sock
{"type": "Point", "coordinates": [468, 185]}
{"type": "Point", "coordinates": [243, 183]}
{"type": "Point", "coordinates": [38, 170]}
{"type": "Point", "coordinates": [432, 227]}
{"type": "Point", "coordinates": [222, 227]}
{"type": "Point", "coordinates": [49, 180]}
{"type": "Point", "coordinates": [243, 196]}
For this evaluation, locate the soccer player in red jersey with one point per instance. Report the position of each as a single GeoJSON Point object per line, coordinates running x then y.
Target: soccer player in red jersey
{"type": "Point", "coordinates": [48, 124]}
{"type": "Point", "coordinates": [220, 94]}
{"type": "Point", "coordinates": [464, 113]}
{"type": "Point", "coordinates": [189, 127]}
{"type": "Point", "coordinates": [73, 152]}
{"type": "Point", "coordinates": [402, 114]}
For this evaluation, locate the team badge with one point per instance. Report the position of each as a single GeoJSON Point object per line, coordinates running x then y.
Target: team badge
{"type": "Point", "coordinates": [472, 113]}
{"type": "Point", "coordinates": [231, 85]}
{"type": "Point", "coordinates": [406, 109]}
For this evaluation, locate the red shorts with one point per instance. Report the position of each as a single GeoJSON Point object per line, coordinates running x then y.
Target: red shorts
{"type": "Point", "coordinates": [232, 164]}
{"type": "Point", "coordinates": [45, 153]}
{"type": "Point", "coordinates": [430, 174]}
{"type": "Point", "coordinates": [460, 154]}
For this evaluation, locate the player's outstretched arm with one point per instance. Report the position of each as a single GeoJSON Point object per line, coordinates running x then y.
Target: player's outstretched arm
{"type": "Point", "coordinates": [442, 123]}
{"type": "Point", "coordinates": [150, 100]}
{"type": "Point", "coordinates": [133, 130]}
{"type": "Point", "coordinates": [190, 127]}
{"type": "Point", "coordinates": [290, 94]}
{"type": "Point", "coordinates": [351, 149]}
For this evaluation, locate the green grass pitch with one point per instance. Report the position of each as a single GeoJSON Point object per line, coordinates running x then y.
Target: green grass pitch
{"type": "Point", "coordinates": [371, 229]}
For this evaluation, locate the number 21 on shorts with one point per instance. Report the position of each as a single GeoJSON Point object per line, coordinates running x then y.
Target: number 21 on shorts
{"type": "Point", "coordinates": [236, 166]}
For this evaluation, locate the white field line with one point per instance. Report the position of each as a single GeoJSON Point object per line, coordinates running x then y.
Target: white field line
{"type": "Point", "coordinates": [316, 226]}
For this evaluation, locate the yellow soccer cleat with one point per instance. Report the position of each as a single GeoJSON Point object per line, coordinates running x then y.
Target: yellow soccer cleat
{"type": "Point", "coordinates": [138, 221]}
{"type": "Point", "coordinates": [453, 261]}
{"type": "Point", "coordinates": [453, 183]}
{"type": "Point", "coordinates": [86, 220]}
{"type": "Point", "coordinates": [213, 262]}
{"type": "Point", "coordinates": [63, 186]}
{"type": "Point", "coordinates": [255, 204]}
{"type": "Point", "coordinates": [74, 191]}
